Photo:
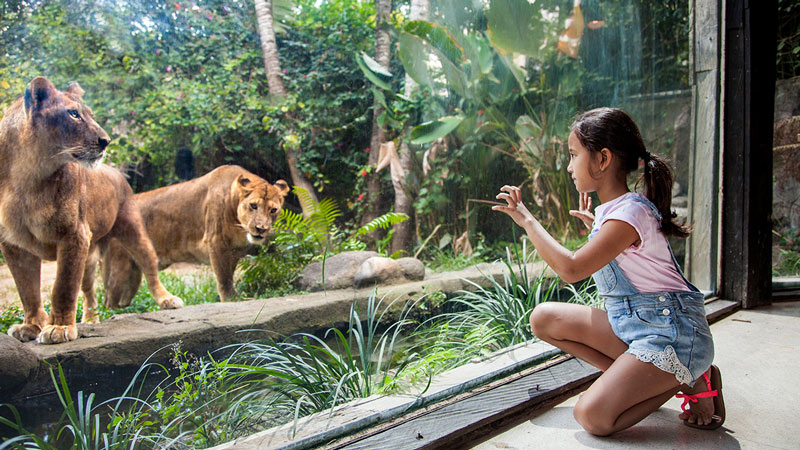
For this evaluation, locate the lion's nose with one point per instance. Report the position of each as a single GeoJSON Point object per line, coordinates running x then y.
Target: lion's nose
{"type": "Point", "coordinates": [261, 230]}
{"type": "Point", "coordinates": [102, 142]}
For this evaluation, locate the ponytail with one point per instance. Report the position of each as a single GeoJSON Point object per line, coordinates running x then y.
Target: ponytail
{"type": "Point", "coordinates": [613, 129]}
{"type": "Point", "coordinates": [657, 179]}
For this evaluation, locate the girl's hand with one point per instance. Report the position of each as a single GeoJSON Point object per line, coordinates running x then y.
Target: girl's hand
{"type": "Point", "coordinates": [585, 210]}
{"type": "Point", "coordinates": [515, 208]}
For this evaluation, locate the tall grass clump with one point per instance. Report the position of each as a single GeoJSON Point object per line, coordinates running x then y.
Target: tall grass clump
{"type": "Point", "coordinates": [486, 319]}
{"type": "Point", "coordinates": [306, 374]}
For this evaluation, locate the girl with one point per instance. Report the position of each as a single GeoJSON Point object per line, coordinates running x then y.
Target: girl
{"type": "Point", "coordinates": [653, 340]}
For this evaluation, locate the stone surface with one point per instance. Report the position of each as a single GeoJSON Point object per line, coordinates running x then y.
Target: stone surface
{"type": "Point", "coordinates": [413, 269]}
{"type": "Point", "coordinates": [339, 272]}
{"type": "Point", "coordinates": [18, 364]}
{"type": "Point", "coordinates": [378, 270]}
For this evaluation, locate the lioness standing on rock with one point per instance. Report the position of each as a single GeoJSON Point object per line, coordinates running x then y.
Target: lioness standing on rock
{"type": "Point", "coordinates": [214, 218]}
{"type": "Point", "coordinates": [58, 202]}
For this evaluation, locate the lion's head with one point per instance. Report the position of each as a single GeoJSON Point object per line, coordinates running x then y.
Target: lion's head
{"type": "Point", "coordinates": [259, 206]}
{"type": "Point", "coordinates": [61, 126]}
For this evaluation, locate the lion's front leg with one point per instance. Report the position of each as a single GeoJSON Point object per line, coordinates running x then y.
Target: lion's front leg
{"type": "Point", "coordinates": [73, 252]}
{"type": "Point", "coordinates": [87, 287]}
{"type": "Point", "coordinates": [223, 264]}
{"type": "Point", "coordinates": [26, 269]}
{"type": "Point", "coordinates": [130, 231]}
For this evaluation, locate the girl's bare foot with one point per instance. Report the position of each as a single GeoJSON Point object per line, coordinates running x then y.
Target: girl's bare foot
{"type": "Point", "coordinates": [701, 410]}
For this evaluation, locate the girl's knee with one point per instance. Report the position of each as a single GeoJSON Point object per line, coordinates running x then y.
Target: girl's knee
{"type": "Point", "coordinates": [592, 418]}
{"type": "Point", "coordinates": [542, 318]}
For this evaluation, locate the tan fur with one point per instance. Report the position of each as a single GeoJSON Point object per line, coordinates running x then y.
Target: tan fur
{"type": "Point", "coordinates": [58, 202]}
{"type": "Point", "coordinates": [214, 218]}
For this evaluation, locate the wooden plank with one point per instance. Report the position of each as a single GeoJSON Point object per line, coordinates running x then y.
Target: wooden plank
{"type": "Point", "coordinates": [702, 246]}
{"type": "Point", "coordinates": [506, 404]}
{"type": "Point", "coordinates": [748, 104]}
{"type": "Point", "coordinates": [718, 308]}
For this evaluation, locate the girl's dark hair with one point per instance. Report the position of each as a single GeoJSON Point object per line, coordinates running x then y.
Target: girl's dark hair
{"type": "Point", "coordinates": [613, 129]}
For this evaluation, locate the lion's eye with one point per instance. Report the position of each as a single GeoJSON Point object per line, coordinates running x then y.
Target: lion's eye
{"type": "Point", "coordinates": [253, 206]}
{"type": "Point", "coordinates": [273, 211]}
{"type": "Point", "coordinates": [74, 114]}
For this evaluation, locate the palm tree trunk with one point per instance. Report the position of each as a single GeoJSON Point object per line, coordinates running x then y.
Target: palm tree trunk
{"type": "Point", "coordinates": [403, 203]}
{"type": "Point", "coordinates": [277, 91]}
{"type": "Point", "coordinates": [382, 52]}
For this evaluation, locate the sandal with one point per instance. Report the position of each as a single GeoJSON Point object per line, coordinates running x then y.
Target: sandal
{"type": "Point", "coordinates": [714, 390]}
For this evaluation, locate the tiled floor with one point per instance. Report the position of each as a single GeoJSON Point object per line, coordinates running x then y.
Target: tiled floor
{"type": "Point", "coordinates": [758, 353]}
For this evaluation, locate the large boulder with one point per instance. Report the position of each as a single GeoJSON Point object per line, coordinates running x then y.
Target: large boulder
{"type": "Point", "coordinates": [378, 270]}
{"type": "Point", "coordinates": [17, 364]}
{"type": "Point", "coordinates": [339, 272]}
{"type": "Point", "coordinates": [413, 269]}
{"type": "Point", "coordinates": [382, 270]}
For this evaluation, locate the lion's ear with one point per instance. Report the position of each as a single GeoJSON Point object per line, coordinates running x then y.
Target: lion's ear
{"type": "Point", "coordinates": [37, 93]}
{"type": "Point", "coordinates": [243, 181]}
{"type": "Point", "coordinates": [75, 89]}
{"type": "Point", "coordinates": [282, 186]}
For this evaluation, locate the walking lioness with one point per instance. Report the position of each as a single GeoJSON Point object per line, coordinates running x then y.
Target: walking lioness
{"type": "Point", "coordinates": [214, 218]}
{"type": "Point", "coordinates": [58, 202]}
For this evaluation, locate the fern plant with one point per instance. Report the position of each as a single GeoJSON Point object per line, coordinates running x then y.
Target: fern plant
{"type": "Point", "coordinates": [300, 240]}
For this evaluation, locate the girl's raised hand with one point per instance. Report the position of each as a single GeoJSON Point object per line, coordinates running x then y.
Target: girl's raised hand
{"type": "Point", "coordinates": [514, 207]}
{"type": "Point", "coordinates": [584, 211]}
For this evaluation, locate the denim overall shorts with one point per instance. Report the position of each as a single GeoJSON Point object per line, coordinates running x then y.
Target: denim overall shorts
{"type": "Point", "coordinates": [668, 329]}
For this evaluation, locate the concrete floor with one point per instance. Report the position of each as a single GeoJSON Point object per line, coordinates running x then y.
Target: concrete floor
{"type": "Point", "coordinates": [758, 353]}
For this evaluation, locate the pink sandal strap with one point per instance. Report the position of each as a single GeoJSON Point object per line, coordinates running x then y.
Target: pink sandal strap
{"type": "Point", "coordinates": [695, 397]}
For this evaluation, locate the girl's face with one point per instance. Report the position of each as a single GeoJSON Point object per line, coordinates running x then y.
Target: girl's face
{"type": "Point", "coordinates": [581, 165]}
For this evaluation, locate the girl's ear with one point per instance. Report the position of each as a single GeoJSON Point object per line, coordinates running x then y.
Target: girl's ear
{"type": "Point", "coordinates": [605, 159]}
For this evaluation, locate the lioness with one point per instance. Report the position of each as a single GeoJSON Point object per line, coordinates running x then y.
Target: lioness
{"type": "Point", "coordinates": [58, 202]}
{"type": "Point", "coordinates": [213, 219]}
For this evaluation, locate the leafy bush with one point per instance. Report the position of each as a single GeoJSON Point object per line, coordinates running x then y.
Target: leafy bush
{"type": "Point", "coordinates": [300, 240]}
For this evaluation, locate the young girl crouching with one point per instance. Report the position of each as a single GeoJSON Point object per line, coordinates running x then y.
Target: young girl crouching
{"type": "Point", "coordinates": [653, 340]}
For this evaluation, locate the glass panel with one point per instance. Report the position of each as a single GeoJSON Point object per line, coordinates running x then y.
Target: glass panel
{"type": "Point", "coordinates": [480, 95]}
{"type": "Point", "coordinates": [786, 148]}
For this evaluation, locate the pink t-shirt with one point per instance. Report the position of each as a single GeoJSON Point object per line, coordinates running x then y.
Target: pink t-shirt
{"type": "Point", "coordinates": [648, 266]}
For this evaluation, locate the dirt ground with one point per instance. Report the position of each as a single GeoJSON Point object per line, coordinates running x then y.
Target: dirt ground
{"type": "Point", "coordinates": [8, 290]}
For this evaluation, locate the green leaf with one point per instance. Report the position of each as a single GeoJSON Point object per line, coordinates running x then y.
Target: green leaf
{"type": "Point", "coordinates": [438, 38]}
{"type": "Point", "coordinates": [414, 55]}
{"type": "Point", "coordinates": [430, 131]}
{"type": "Point", "coordinates": [374, 72]}
{"type": "Point", "coordinates": [529, 133]}
{"type": "Point", "coordinates": [518, 26]}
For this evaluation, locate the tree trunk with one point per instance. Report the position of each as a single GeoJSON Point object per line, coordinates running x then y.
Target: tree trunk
{"type": "Point", "coordinates": [277, 91]}
{"type": "Point", "coordinates": [382, 51]}
{"type": "Point", "coordinates": [403, 203]}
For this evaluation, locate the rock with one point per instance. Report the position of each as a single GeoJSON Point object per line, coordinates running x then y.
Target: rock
{"type": "Point", "coordinates": [378, 270]}
{"type": "Point", "coordinates": [17, 364]}
{"type": "Point", "coordinates": [413, 269]}
{"type": "Point", "coordinates": [339, 271]}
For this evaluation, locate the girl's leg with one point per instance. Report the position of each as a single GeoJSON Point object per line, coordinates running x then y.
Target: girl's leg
{"type": "Point", "coordinates": [625, 394]}
{"type": "Point", "coordinates": [579, 330]}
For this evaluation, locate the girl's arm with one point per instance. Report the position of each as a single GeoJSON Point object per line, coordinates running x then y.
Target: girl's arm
{"type": "Point", "coordinates": [614, 237]}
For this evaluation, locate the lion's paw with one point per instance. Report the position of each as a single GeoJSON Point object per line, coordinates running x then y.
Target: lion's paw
{"type": "Point", "coordinates": [24, 332]}
{"type": "Point", "coordinates": [171, 302]}
{"type": "Point", "coordinates": [90, 316]}
{"type": "Point", "coordinates": [57, 334]}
